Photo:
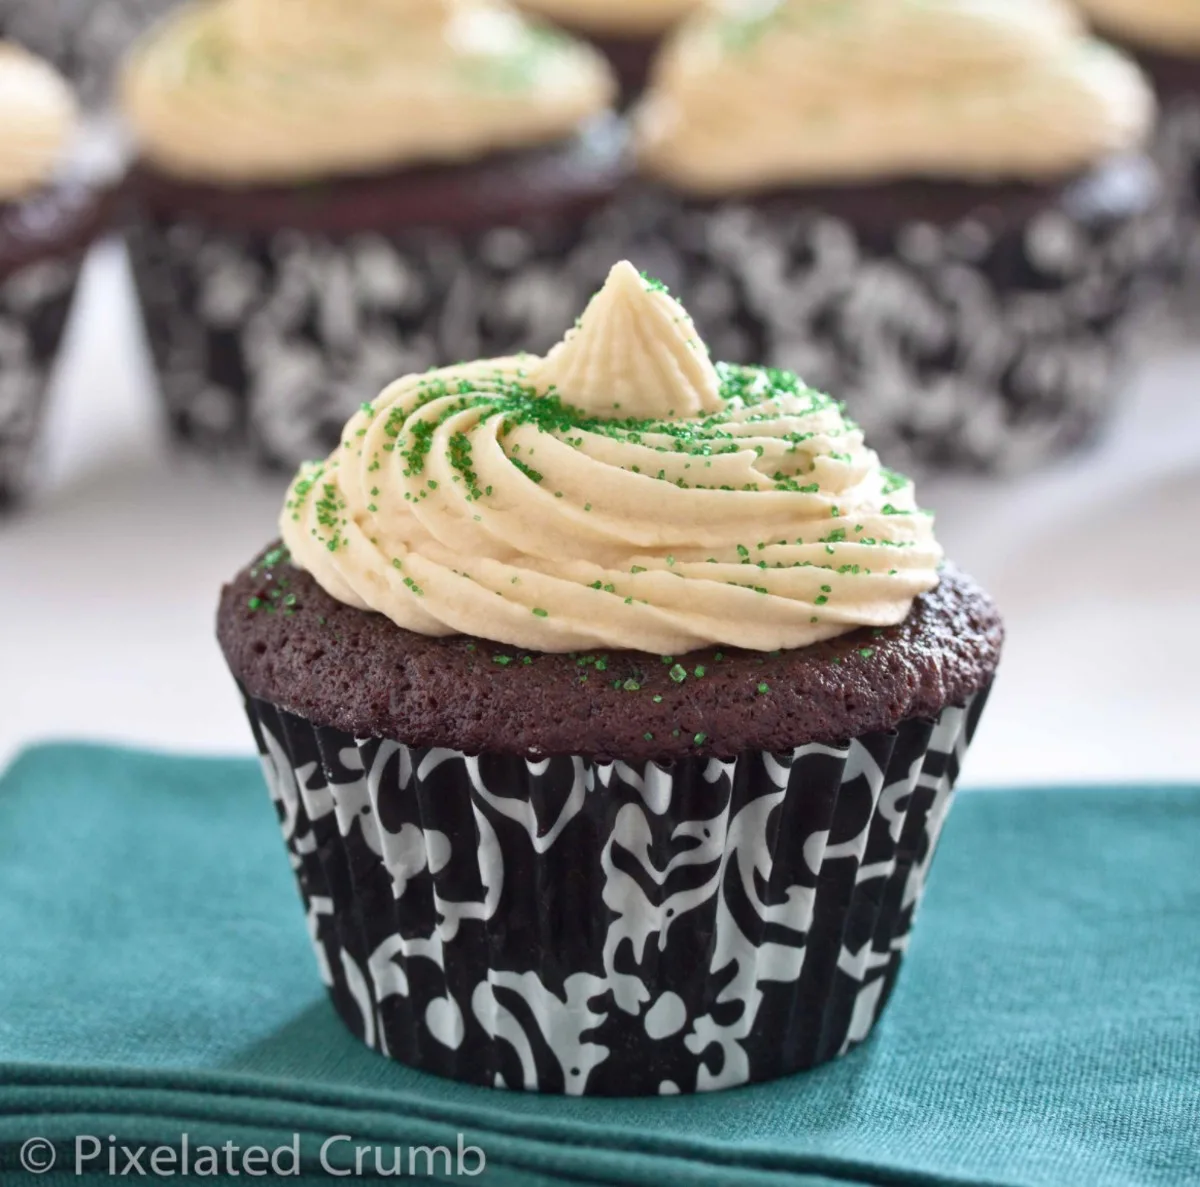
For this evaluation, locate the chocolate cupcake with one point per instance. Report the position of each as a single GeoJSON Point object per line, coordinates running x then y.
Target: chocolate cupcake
{"type": "Point", "coordinates": [49, 215]}
{"type": "Point", "coordinates": [612, 703]}
{"type": "Point", "coordinates": [332, 193]}
{"type": "Point", "coordinates": [1164, 37]}
{"type": "Point", "coordinates": [628, 32]}
{"type": "Point", "coordinates": [932, 207]}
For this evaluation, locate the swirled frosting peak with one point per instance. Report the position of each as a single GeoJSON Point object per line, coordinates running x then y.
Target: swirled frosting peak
{"type": "Point", "coordinates": [788, 92]}
{"type": "Point", "coordinates": [37, 119]}
{"type": "Point", "coordinates": [1171, 25]}
{"type": "Point", "coordinates": [262, 91]}
{"type": "Point", "coordinates": [483, 500]}
{"type": "Point", "coordinates": [635, 352]}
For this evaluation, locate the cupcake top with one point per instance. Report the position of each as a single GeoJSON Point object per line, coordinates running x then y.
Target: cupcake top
{"type": "Point", "coordinates": [246, 91]}
{"type": "Point", "coordinates": [793, 92]}
{"type": "Point", "coordinates": [622, 492]}
{"type": "Point", "coordinates": [37, 120]}
{"type": "Point", "coordinates": [615, 18]}
{"type": "Point", "coordinates": [1169, 25]}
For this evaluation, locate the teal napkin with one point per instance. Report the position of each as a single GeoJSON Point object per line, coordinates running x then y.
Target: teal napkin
{"type": "Point", "coordinates": [156, 980]}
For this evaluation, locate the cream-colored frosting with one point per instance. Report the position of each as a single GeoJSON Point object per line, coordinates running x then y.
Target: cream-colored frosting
{"type": "Point", "coordinates": [804, 91]}
{"type": "Point", "coordinates": [37, 120]}
{"type": "Point", "coordinates": [615, 18]}
{"type": "Point", "coordinates": [243, 91]}
{"type": "Point", "coordinates": [1171, 25]}
{"type": "Point", "coordinates": [470, 500]}
{"type": "Point", "coordinates": [635, 352]}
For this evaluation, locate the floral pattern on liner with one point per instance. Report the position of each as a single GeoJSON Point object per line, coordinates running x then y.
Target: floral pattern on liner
{"type": "Point", "coordinates": [85, 39]}
{"type": "Point", "coordinates": [273, 342]}
{"type": "Point", "coordinates": [35, 302]}
{"type": "Point", "coordinates": [1177, 150]}
{"type": "Point", "coordinates": [578, 926]}
{"type": "Point", "coordinates": [953, 346]}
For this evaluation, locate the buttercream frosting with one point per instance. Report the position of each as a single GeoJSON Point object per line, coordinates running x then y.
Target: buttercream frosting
{"type": "Point", "coordinates": [510, 500]}
{"type": "Point", "coordinates": [1170, 25]}
{"type": "Point", "coordinates": [37, 120]}
{"type": "Point", "coordinates": [615, 18]}
{"type": "Point", "coordinates": [801, 91]}
{"type": "Point", "coordinates": [244, 91]}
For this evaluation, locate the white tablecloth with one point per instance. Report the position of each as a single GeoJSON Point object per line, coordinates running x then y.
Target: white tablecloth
{"type": "Point", "coordinates": [109, 579]}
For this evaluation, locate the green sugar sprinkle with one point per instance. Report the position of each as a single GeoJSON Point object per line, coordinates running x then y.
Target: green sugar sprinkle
{"type": "Point", "coordinates": [764, 688]}
{"type": "Point", "coordinates": [647, 736]}
{"type": "Point", "coordinates": [678, 673]}
{"type": "Point", "coordinates": [631, 685]}
{"type": "Point", "coordinates": [658, 698]}
{"type": "Point", "coordinates": [502, 660]}
{"type": "Point", "coordinates": [542, 613]}
{"type": "Point", "coordinates": [866, 652]}
{"type": "Point", "coordinates": [700, 739]}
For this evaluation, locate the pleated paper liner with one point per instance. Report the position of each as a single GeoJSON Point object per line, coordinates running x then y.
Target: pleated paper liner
{"type": "Point", "coordinates": [35, 302]}
{"type": "Point", "coordinates": [265, 344]}
{"type": "Point", "coordinates": [992, 341]}
{"type": "Point", "coordinates": [577, 926]}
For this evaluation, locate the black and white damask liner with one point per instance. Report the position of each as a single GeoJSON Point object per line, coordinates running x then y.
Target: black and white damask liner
{"type": "Point", "coordinates": [579, 927]}
{"type": "Point", "coordinates": [85, 39]}
{"type": "Point", "coordinates": [1177, 151]}
{"type": "Point", "coordinates": [272, 342]}
{"type": "Point", "coordinates": [956, 346]}
{"type": "Point", "coordinates": [35, 302]}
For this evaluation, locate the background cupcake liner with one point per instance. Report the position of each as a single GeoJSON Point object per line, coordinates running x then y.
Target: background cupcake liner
{"type": "Point", "coordinates": [272, 341]}
{"type": "Point", "coordinates": [35, 302]}
{"type": "Point", "coordinates": [961, 345]}
{"type": "Point", "coordinates": [85, 39]}
{"type": "Point", "coordinates": [1177, 149]}
{"type": "Point", "coordinates": [579, 926]}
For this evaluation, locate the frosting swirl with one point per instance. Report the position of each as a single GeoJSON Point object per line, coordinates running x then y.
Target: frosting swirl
{"type": "Point", "coordinates": [38, 121]}
{"type": "Point", "coordinates": [839, 90]}
{"type": "Point", "coordinates": [481, 499]}
{"type": "Point", "coordinates": [1170, 25]}
{"type": "Point", "coordinates": [618, 18]}
{"type": "Point", "coordinates": [244, 91]}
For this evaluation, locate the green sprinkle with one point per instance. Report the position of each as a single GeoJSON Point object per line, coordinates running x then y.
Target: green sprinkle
{"type": "Point", "coordinates": [255, 603]}
{"type": "Point", "coordinates": [700, 671]}
{"type": "Point", "coordinates": [763, 688]}
{"type": "Point", "coordinates": [502, 660]}
{"type": "Point", "coordinates": [542, 613]}
{"type": "Point", "coordinates": [631, 685]}
{"type": "Point", "coordinates": [700, 739]}
{"type": "Point", "coordinates": [866, 652]}
{"type": "Point", "coordinates": [658, 698]}
{"type": "Point", "coordinates": [649, 737]}
{"type": "Point", "coordinates": [678, 673]}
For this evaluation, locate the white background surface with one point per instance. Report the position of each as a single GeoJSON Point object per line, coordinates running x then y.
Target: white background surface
{"type": "Point", "coordinates": [109, 578]}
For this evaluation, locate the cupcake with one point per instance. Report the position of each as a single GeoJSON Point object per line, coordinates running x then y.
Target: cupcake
{"type": "Point", "coordinates": [932, 207]}
{"type": "Point", "coordinates": [628, 32]}
{"type": "Point", "coordinates": [334, 192]}
{"type": "Point", "coordinates": [1164, 36]}
{"type": "Point", "coordinates": [612, 702]}
{"type": "Point", "coordinates": [49, 215]}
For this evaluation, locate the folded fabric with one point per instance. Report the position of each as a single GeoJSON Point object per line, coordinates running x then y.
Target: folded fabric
{"type": "Point", "coordinates": [156, 979]}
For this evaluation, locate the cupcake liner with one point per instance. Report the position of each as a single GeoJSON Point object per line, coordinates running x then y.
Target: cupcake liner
{"type": "Point", "coordinates": [268, 342]}
{"type": "Point", "coordinates": [579, 926]}
{"type": "Point", "coordinates": [975, 345]}
{"type": "Point", "coordinates": [85, 39]}
{"type": "Point", "coordinates": [35, 302]}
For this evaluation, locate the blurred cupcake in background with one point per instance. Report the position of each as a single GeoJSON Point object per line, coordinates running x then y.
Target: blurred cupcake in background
{"type": "Point", "coordinates": [1164, 36]}
{"type": "Point", "coordinates": [49, 214]}
{"type": "Point", "coordinates": [629, 32]}
{"type": "Point", "coordinates": [332, 192]}
{"type": "Point", "coordinates": [935, 209]}
{"type": "Point", "coordinates": [85, 39]}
